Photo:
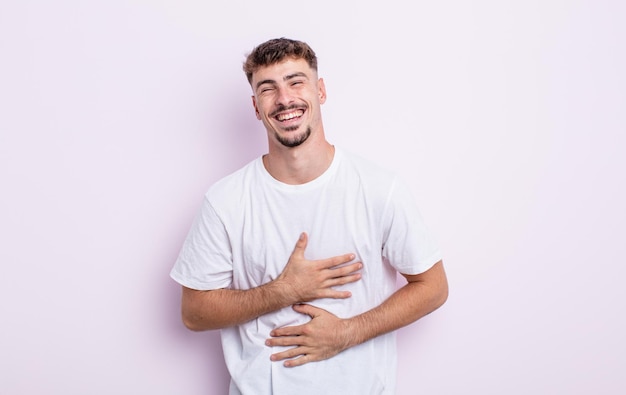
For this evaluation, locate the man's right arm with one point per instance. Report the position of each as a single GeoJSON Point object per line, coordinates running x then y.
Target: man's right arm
{"type": "Point", "coordinates": [301, 281]}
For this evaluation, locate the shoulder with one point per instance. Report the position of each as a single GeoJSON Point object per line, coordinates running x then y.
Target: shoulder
{"type": "Point", "coordinates": [367, 170]}
{"type": "Point", "coordinates": [233, 185]}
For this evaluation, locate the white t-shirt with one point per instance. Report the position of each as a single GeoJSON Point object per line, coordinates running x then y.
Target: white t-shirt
{"type": "Point", "coordinates": [246, 230]}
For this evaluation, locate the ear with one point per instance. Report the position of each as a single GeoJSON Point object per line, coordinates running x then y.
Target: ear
{"type": "Point", "coordinates": [321, 90]}
{"type": "Point", "coordinates": [256, 109]}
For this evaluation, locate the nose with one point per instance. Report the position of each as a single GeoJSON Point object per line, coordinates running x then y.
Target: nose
{"type": "Point", "coordinates": [283, 96]}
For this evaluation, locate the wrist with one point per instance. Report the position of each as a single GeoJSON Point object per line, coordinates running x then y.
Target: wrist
{"type": "Point", "coordinates": [280, 293]}
{"type": "Point", "coordinates": [353, 335]}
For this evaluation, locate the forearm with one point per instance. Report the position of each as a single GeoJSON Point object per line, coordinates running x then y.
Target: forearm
{"type": "Point", "coordinates": [407, 305]}
{"type": "Point", "coordinates": [326, 335]}
{"type": "Point", "coordinates": [221, 308]}
{"type": "Point", "coordinates": [301, 281]}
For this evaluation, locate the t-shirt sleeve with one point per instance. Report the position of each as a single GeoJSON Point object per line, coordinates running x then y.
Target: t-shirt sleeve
{"type": "Point", "coordinates": [205, 260]}
{"type": "Point", "coordinates": [408, 245]}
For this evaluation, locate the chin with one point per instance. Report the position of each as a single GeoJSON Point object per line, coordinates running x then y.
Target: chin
{"type": "Point", "coordinates": [293, 141]}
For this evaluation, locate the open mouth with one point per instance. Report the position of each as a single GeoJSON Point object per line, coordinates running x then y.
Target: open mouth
{"type": "Point", "coordinates": [288, 116]}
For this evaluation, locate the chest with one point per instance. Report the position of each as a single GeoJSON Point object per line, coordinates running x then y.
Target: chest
{"type": "Point", "coordinates": [338, 219]}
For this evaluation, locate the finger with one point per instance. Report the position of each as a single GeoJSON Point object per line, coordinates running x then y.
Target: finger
{"type": "Point", "coordinates": [345, 270]}
{"type": "Point", "coordinates": [288, 331]}
{"type": "Point", "coordinates": [333, 294]}
{"type": "Point", "coordinates": [305, 358]}
{"type": "Point", "coordinates": [284, 341]}
{"type": "Point", "coordinates": [335, 261]}
{"type": "Point", "coordinates": [291, 353]}
{"type": "Point", "coordinates": [333, 282]}
{"type": "Point", "coordinates": [301, 244]}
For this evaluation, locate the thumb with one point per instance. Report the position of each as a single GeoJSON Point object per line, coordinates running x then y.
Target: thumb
{"type": "Point", "coordinates": [301, 244]}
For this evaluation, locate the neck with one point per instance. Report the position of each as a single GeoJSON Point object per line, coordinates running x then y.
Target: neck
{"type": "Point", "coordinates": [301, 164]}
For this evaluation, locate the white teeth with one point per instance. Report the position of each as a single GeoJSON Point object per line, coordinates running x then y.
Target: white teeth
{"type": "Point", "coordinates": [288, 116]}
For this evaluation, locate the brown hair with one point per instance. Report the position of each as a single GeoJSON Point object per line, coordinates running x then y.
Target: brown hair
{"type": "Point", "coordinates": [276, 50]}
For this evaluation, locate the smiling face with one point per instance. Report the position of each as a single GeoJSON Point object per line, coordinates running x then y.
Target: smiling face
{"type": "Point", "coordinates": [287, 99]}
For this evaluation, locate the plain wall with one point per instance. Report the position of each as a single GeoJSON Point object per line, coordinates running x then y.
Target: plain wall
{"type": "Point", "coordinates": [506, 117]}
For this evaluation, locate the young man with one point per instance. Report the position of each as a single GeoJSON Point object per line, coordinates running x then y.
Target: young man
{"type": "Point", "coordinates": [318, 317]}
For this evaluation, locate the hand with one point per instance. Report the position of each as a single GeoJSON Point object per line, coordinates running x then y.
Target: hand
{"type": "Point", "coordinates": [323, 337]}
{"type": "Point", "coordinates": [304, 280]}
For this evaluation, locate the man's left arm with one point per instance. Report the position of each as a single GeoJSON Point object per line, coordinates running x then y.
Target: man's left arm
{"type": "Point", "coordinates": [326, 335]}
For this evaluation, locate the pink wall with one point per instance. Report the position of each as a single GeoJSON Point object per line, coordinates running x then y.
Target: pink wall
{"type": "Point", "coordinates": [506, 117]}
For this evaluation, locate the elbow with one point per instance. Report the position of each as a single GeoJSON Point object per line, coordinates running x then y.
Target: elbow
{"type": "Point", "coordinates": [438, 292]}
{"type": "Point", "coordinates": [436, 299]}
{"type": "Point", "coordinates": [432, 287]}
{"type": "Point", "coordinates": [442, 295]}
{"type": "Point", "coordinates": [191, 324]}
{"type": "Point", "coordinates": [195, 322]}
{"type": "Point", "coordinates": [194, 312]}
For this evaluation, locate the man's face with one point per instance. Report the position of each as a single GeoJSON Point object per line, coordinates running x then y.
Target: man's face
{"type": "Point", "coordinates": [287, 98]}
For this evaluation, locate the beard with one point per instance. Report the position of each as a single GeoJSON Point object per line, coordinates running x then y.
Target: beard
{"type": "Point", "coordinates": [294, 141]}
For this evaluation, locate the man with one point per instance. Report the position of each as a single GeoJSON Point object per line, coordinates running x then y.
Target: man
{"type": "Point", "coordinates": [318, 317]}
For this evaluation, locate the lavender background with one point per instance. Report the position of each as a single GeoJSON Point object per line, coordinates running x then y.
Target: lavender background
{"type": "Point", "coordinates": [508, 119]}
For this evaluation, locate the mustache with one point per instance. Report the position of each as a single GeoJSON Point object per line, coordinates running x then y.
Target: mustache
{"type": "Point", "coordinates": [283, 108]}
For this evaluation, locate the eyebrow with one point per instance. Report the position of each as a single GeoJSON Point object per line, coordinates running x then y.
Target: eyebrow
{"type": "Point", "coordinates": [285, 78]}
{"type": "Point", "coordinates": [294, 75]}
